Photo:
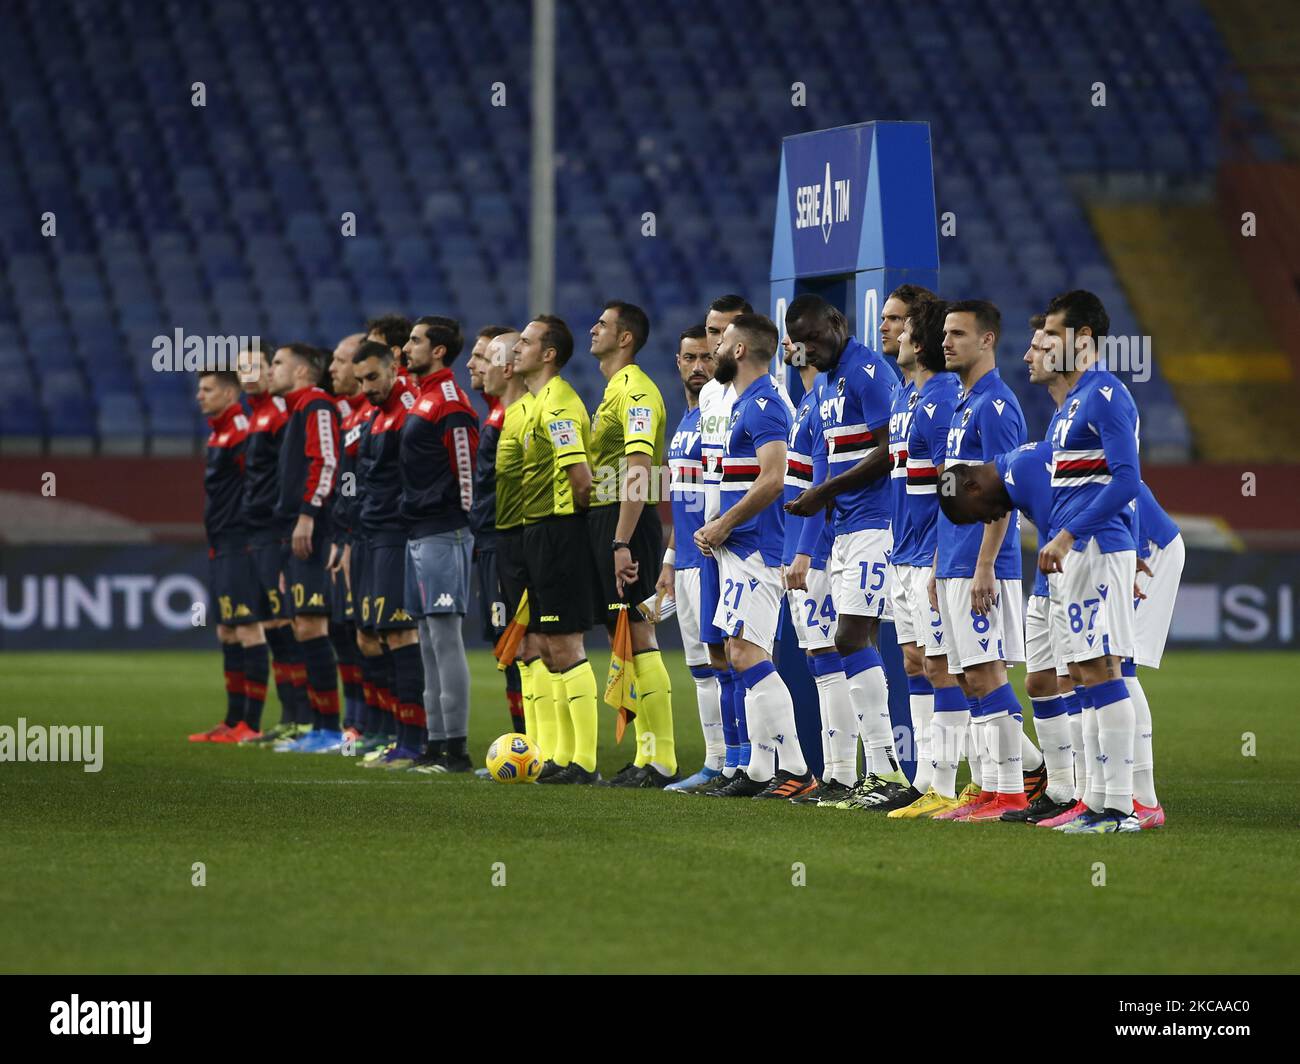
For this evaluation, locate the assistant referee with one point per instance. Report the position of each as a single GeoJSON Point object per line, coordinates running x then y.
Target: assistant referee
{"type": "Point", "coordinates": [623, 526]}
{"type": "Point", "coordinates": [556, 490]}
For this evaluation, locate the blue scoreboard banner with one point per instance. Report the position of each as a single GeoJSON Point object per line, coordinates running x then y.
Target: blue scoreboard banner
{"type": "Point", "coordinates": [854, 220]}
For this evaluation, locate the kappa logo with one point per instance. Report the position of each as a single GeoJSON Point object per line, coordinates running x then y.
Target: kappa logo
{"type": "Point", "coordinates": [998, 404]}
{"type": "Point", "coordinates": [316, 600]}
{"type": "Point", "coordinates": [444, 600]}
{"type": "Point", "coordinates": [1106, 391]}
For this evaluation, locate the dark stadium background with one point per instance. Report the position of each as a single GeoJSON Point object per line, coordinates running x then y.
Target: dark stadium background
{"type": "Point", "coordinates": [226, 218]}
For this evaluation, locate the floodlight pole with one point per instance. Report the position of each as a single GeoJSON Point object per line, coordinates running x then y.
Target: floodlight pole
{"type": "Point", "coordinates": [541, 249]}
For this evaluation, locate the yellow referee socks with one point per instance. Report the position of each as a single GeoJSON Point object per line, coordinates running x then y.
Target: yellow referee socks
{"type": "Point", "coordinates": [654, 714]}
{"type": "Point", "coordinates": [526, 698]}
{"type": "Point", "coordinates": [580, 688]}
{"type": "Point", "coordinates": [563, 721]}
{"type": "Point", "coordinates": [543, 707]}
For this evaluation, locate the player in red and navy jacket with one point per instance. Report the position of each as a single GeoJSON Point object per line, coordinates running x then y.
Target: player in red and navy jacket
{"type": "Point", "coordinates": [308, 479]}
{"type": "Point", "coordinates": [396, 719]}
{"type": "Point", "coordinates": [439, 442]}
{"type": "Point", "coordinates": [1091, 559]}
{"type": "Point", "coordinates": [354, 411]}
{"type": "Point", "coordinates": [267, 420]}
{"type": "Point", "coordinates": [243, 646]}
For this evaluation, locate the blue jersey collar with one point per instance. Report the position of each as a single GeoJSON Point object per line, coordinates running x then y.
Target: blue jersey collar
{"type": "Point", "coordinates": [981, 385]}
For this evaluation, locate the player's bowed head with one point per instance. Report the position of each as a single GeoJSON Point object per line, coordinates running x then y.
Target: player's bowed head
{"type": "Point", "coordinates": [973, 493]}
{"type": "Point", "coordinates": [820, 327]}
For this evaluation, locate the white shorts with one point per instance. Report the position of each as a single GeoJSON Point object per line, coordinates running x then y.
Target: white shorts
{"type": "Point", "coordinates": [1095, 595]}
{"type": "Point", "coordinates": [915, 620]}
{"type": "Point", "coordinates": [813, 611]}
{"type": "Point", "coordinates": [749, 598]}
{"type": "Point", "coordinates": [687, 597]}
{"type": "Point", "coordinates": [972, 638]}
{"type": "Point", "coordinates": [1153, 614]}
{"type": "Point", "coordinates": [1041, 654]}
{"type": "Point", "coordinates": [859, 569]}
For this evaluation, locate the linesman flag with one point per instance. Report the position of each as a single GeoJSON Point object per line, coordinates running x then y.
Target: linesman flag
{"type": "Point", "coordinates": [620, 685]}
{"type": "Point", "coordinates": [507, 647]}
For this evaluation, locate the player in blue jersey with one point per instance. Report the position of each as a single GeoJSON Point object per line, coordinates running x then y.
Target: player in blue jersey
{"type": "Point", "coordinates": [747, 538]}
{"type": "Point", "coordinates": [855, 423]}
{"type": "Point", "coordinates": [715, 402]}
{"type": "Point", "coordinates": [680, 575]}
{"type": "Point", "coordinates": [1022, 480]}
{"type": "Point", "coordinates": [1161, 555]}
{"type": "Point", "coordinates": [910, 563]}
{"type": "Point", "coordinates": [808, 542]}
{"type": "Point", "coordinates": [1091, 558]}
{"type": "Point", "coordinates": [977, 582]}
{"type": "Point", "coordinates": [919, 454]}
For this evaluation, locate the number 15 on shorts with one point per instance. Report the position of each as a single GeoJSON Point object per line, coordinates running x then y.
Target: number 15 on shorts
{"type": "Point", "coordinates": [875, 571]}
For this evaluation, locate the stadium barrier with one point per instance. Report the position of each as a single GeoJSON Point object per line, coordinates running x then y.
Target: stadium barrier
{"type": "Point", "coordinates": [136, 597]}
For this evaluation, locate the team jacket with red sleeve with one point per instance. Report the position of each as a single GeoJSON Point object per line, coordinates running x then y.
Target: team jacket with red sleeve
{"type": "Point", "coordinates": [439, 440]}
{"type": "Point", "coordinates": [309, 457]}
{"type": "Point", "coordinates": [354, 412]}
{"type": "Point", "coordinates": [223, 478]}
{"type": "Point", "coordinates": [262, 463]}
{"type": "Point", "coordinates": [377, 467]}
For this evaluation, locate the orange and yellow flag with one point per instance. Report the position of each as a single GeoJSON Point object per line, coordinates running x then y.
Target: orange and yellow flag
{"type": "Point", "coordinates": [507, 647]}
{"type": "Point", "coordinates": [620, 685]}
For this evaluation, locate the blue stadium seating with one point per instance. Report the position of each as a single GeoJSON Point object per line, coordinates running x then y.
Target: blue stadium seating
{"type": "Point", "coordinates": [228, 217]}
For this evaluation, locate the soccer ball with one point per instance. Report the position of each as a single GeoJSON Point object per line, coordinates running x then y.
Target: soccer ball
{"type": "Point", "coordinates": [514, 758]}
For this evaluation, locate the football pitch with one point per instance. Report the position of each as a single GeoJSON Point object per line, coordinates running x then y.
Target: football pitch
{"type": "Point", "coordinates": [312, 864]}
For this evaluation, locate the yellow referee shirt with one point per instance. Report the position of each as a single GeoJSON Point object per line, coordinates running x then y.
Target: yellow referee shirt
{"type": "Point", "coordinates": [510, 463]}
{"type": "Point", "coordinates": [558, 435]}
{"type": "Point", "coordinates": [629, 420]}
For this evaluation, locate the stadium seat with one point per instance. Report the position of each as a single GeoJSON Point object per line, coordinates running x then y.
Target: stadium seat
{"type": "Point", "coordinates": [234, 226]}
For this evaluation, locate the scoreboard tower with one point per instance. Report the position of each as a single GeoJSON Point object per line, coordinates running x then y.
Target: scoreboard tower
{"type": "Point", "coordinates": [855, 218]}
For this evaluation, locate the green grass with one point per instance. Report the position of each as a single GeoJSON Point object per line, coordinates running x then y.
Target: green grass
{"type": "Point", "coordinates": [315, 865]}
